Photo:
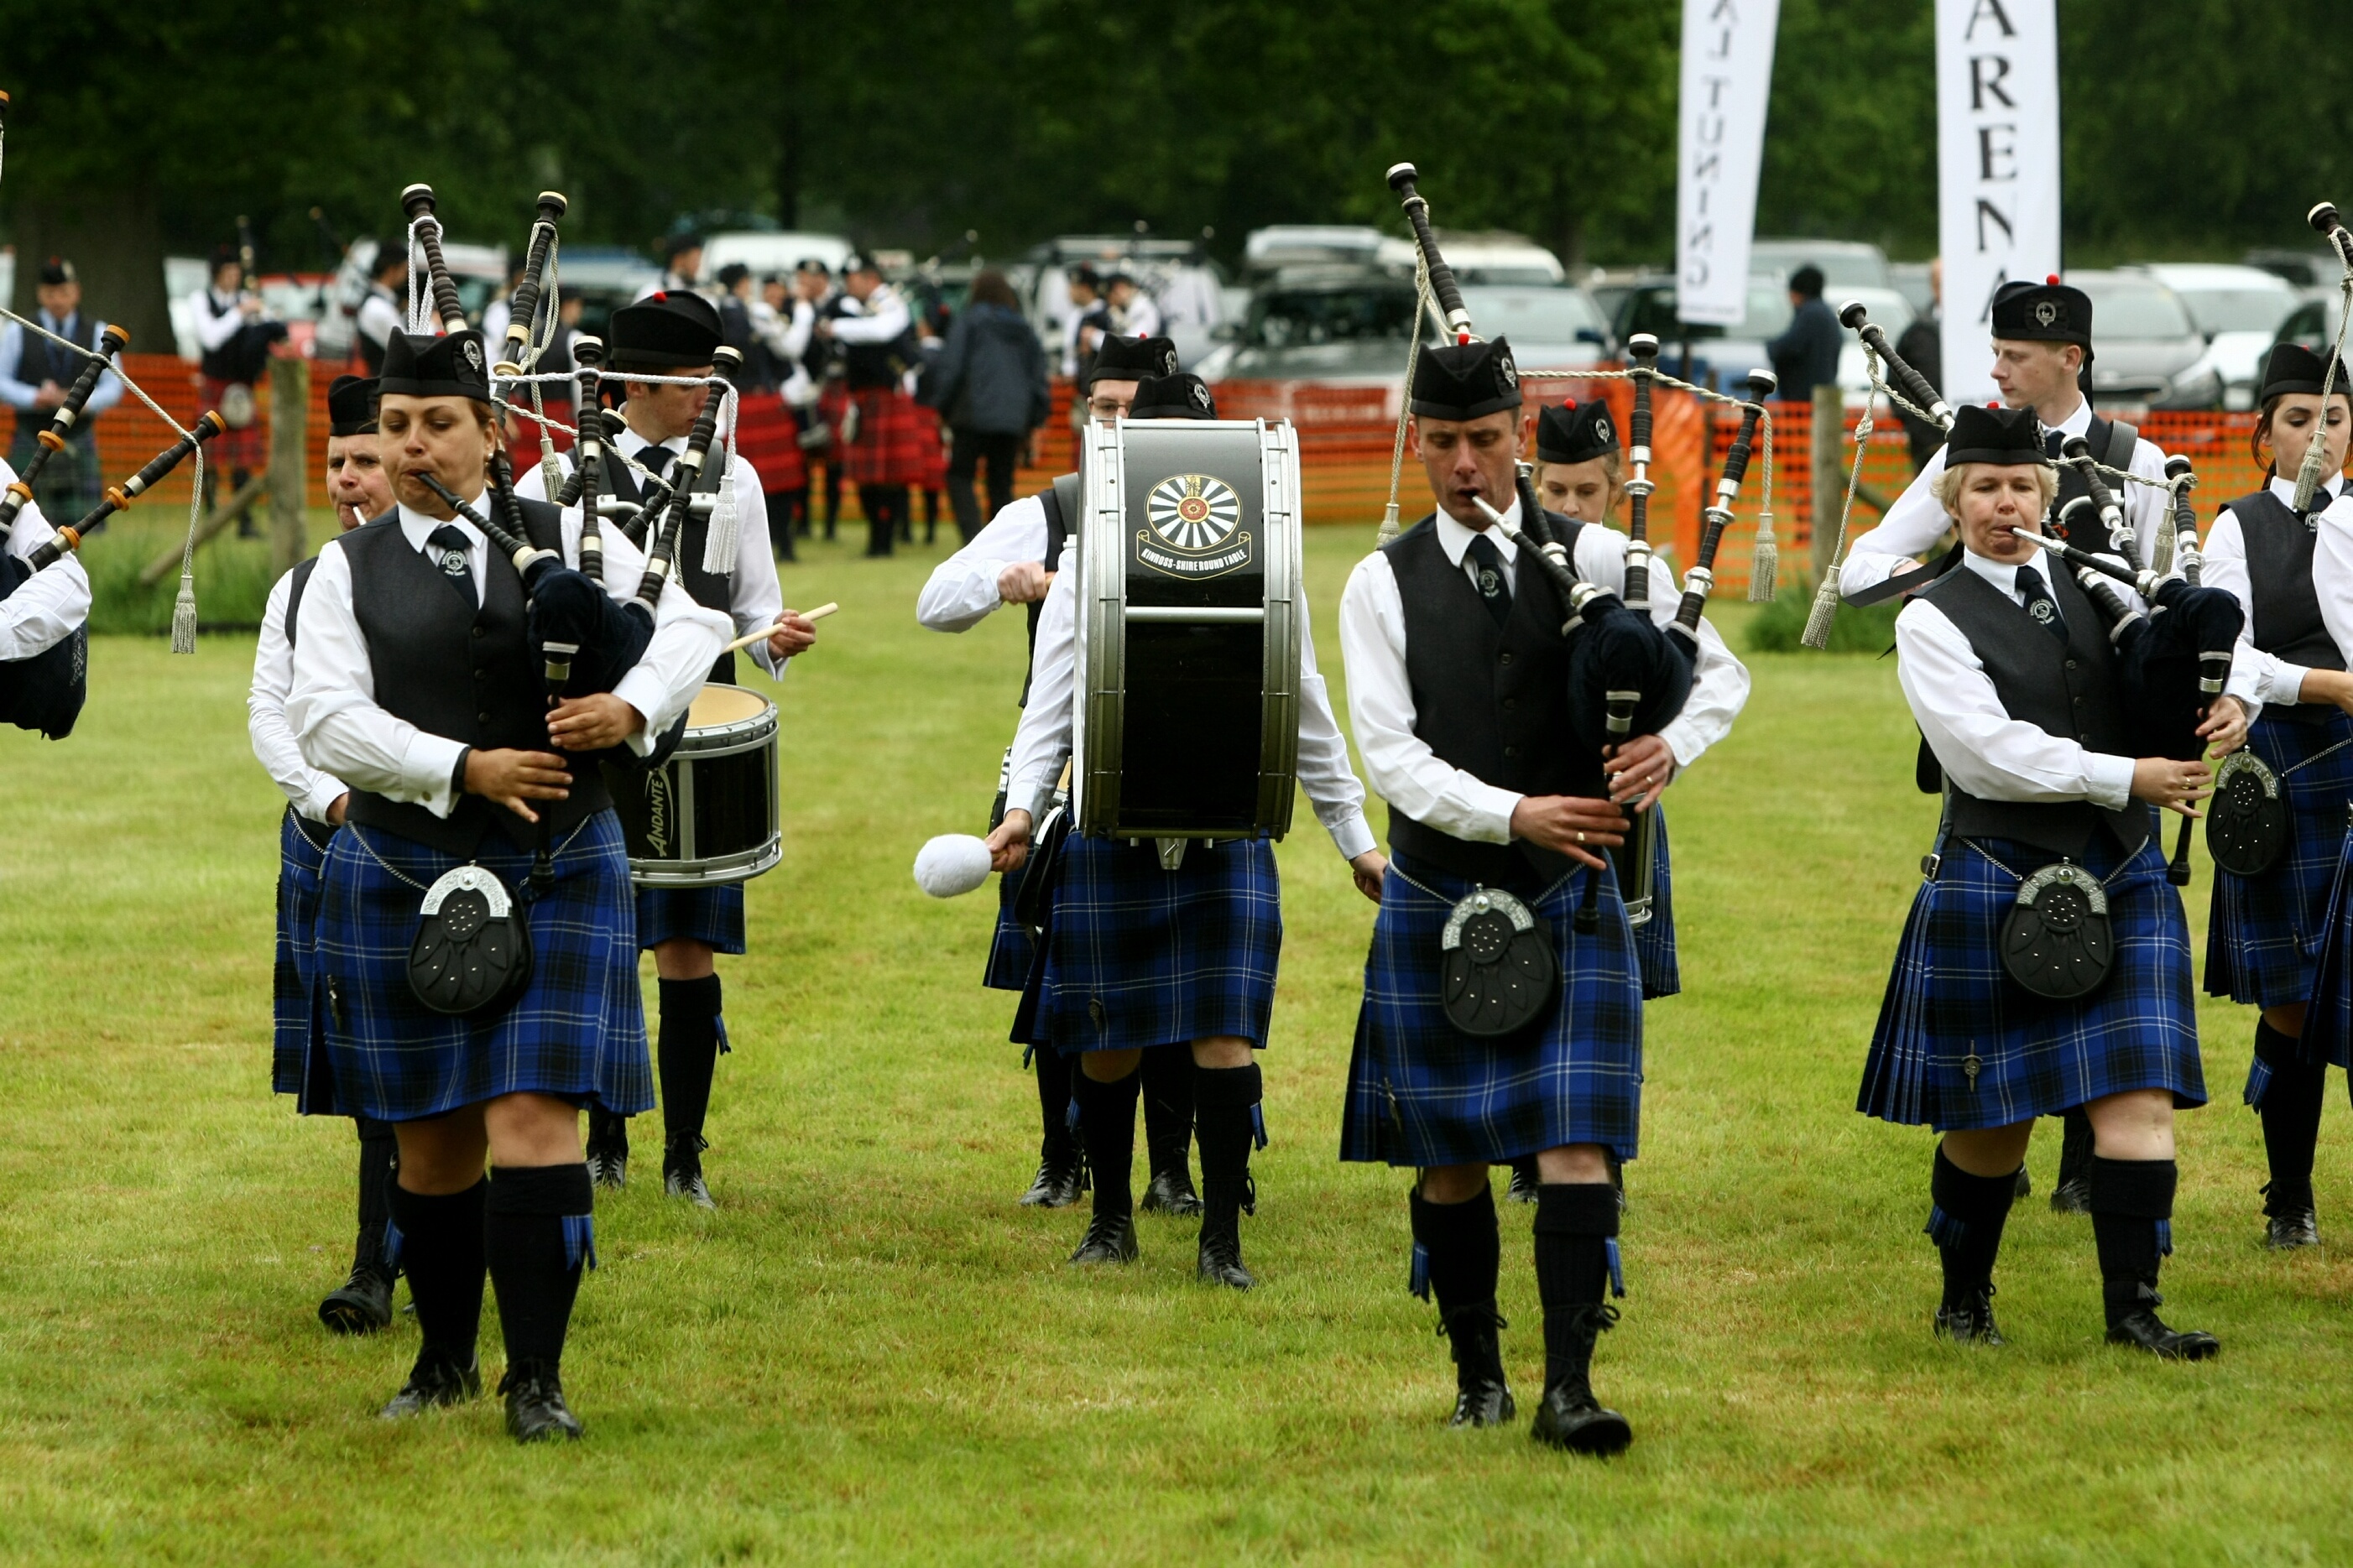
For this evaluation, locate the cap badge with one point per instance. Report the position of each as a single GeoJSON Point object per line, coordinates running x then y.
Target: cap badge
{"type": "Point", "coordinates": [2046, 312]}
{"type": "Point", "coordinates": [473, 352]}
{"type": "Point", "coordinates": [1601, 431]}
{"type": "Point", "coordinates": [1200, 397]}
{"type": "Point", "coordinates": [1506, 370]}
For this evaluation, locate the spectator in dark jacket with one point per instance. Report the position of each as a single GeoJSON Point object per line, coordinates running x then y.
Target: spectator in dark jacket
{"type": "Point", "coordinates": [989, 385]}
{"type": "Point", "coordinates": [1807, 355]}
{"type": "Point", "coordinates": [1923, 348]}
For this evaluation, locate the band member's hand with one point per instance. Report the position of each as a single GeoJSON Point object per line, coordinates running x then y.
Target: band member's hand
{"type": "Point", "coordinates": [2225, 729]}
{"type": "Point", "coordinates": [514, 779]}
{"type": "Point", "coordinates": [251, 304]}
{"type": "Point", "coordinates": [2176, 786]}
{"type": "Point", "coordinates": [796, 635]}
{"type": "Point", "coordinates": [50, 396]}
{"type": "Point", "coordinates": [1009, 844]}
{"type": "Point", "coordinates": [1575, 825]}
{"type": "Point", "coordinates": [341, 805]}
{"type": "Point", "coordinates": [825, 327]}
{"type": "Point", "coordinates": [1638, 770]}
{"type": "Point", "coordinates": [593, 723]}
{"type": "Point", "coordinates": [1024, 582]}
{"type": "Point", "coordinates": [1371, 868]}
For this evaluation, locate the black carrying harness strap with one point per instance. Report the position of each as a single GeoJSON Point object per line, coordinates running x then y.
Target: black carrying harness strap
{"type": "Point", "coordinates": [1060, 503]}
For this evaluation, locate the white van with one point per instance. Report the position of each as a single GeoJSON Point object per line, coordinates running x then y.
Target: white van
{"type": "Point", "coordinates": [777, 252]}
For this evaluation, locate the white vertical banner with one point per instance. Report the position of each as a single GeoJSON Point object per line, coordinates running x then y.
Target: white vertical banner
{"type": "Point", "coordinates": [1997, 168]}
{"type": "Point", "coordinates": [1728, 76]}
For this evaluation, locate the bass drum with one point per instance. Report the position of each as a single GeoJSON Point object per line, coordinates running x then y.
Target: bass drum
{"type": "Point", "coordinates": [1189, 630]}
{"type": "Point", "coordinates": [708, 816]}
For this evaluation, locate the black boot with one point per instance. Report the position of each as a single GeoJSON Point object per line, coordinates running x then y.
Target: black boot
{"type": "Point", "coordinates": [608, 1148]}
{"type": "Point", "coordinates": [1226, 1110]}
{"type": "Point", "coordinates": [1107, 1128]}
{"type": "Point", "coordinates": [1168, 1130]}
{"type": "Point", "coordinates": [1524, 1180]}
{"type": "Point", "coordinates": [540, 1238]}
{"type": "Point", "coordinates": [1574, 1231]}
{"type": "Point", "coordinates": [2132, 1220]}
{"type": "Point", "coordinates": [2285, 1090]}
{"type": "Point", "coordinates": [363, 1303]}
{"type": "Point", "coordinates": [682, 1169]}
{"type": "Point", "coordinates": [1061, 1166]}
{"type": "Point", "coordinates": [2072, 1192]}
{"type": "Point", "coordinates": [1458, 1253]}
{"type": "Point", "coordinates": [535, 1409]}
{"type": "Point", "coordinates": [1966, 1216]}
{"type": "Point", "coordinates": [441, 1251]}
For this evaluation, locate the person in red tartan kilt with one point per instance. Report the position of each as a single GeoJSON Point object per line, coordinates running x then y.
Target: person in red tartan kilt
{"type": "Point", "coordinates": [881, 443]}
{"type": "Point", "coordinates": [234, 332]}
{"type": "Point", "coordinates": [934, 463]}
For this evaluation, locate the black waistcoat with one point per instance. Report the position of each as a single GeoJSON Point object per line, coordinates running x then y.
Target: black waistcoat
{"type": "Point", "coordinates": [2287, 619]}
{"type": "Point", "coordinates": [2101, 436]}
{"type": "Point", "coordinates": [220, 363]}
{"type": "Point", "coordinates": [1492, 701]}
{"type": "Point", "coordinates": [39, 359]}
{"type": "Point", "coordinates": [464, 674]}
{"type": "Point", "coordinates": [867, 367]}
{"type": "Point", "coordinates": [712, 590]}
{"type": "Point", "coordinates": [2069, 691]}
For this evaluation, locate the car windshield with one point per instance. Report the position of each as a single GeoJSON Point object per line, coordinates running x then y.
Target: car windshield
{"type": "Point", "coordinates": [1841, 269]}
{"type": "Point", "coordinates": [2236, 309]}
{"type": "Point", "coordinates": [2128, 311]}
{"type": "Point", "coordinates": [1533, 315]}
{"type": "Point", "coordinates": [1289, 318]}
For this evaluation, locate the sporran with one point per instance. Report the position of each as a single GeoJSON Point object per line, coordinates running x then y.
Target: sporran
{"type": "Point", "coordinates": [2247, 819]}
{"type": "Point", "coordinates": [471, 955]}
{"type": "Point", "coordinates": [1497, 963]}
{"type": "Point", "coordinates": [2056, 941]}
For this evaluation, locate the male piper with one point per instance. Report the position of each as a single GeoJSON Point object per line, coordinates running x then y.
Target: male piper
{"type": "Point", "coordinates": [35, 374]}
{"type": "Point", "coordinates": [674, 334]}
{"type": "Point", "coordinates": [2042, 360]}
{"type": "Point", "coordinates": [1458, 684]}
{"type": "Point", "coordinates": [1012, 561]}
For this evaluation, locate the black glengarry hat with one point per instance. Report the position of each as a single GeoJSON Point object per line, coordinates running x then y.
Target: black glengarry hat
{"type": "Point", "coordinates": [417, 364]}
{"type": "Point", "coordinates": [1181, 397]}
{"type": "Point", "coordinates": [1132, 359]}
{"type": "Point", "coordinates": [1465, 380]}
{"type": "Point", "coordinates": [2048, 311]}
{"type": "Point", "coordinates": [57, 271]}
{"type": "Point", "coordinates": [1575, 433]}
{"type": "Point", "coordinates": [351, 405]}
{"type": "Point", "coordinates": [663, 332]}
{"type": "Point", "coordinates": [2295, 368]}
{"type": "Point", "coordinates": [2006, 437]}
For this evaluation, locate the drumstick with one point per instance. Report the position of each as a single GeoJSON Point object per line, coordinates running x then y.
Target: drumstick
{"type": "Point", "coordinates": [748, 638]}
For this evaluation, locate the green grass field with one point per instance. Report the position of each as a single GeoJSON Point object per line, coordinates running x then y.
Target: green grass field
{"type": "Point", "coordinates": [870, 1352]}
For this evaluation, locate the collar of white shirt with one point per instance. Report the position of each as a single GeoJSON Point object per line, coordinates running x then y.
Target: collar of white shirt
{"type": "Point", "coordinates": [2076, 424]}
{"type": "Point", "coordinates": [1454, 538]}
{"type": "Point", "coordinates": [2003, 574]}
{"type": "Point", "coordinates": [417, 528]}
{"type": "Point", "coordinates": [2285, 490]}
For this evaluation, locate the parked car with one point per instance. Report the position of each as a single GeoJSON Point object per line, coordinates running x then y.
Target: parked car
{"type": "Point", "coordinates": [1496, 257]}
{"type": "Point", "coordinates": [2150, 352]}
{"type": "Point", "coordinates": [2238, 308]}
{"type": "Point", "coordinates": [1559, 328]}
{"type": "Point", "coordinates": [2302, 269]}
{"type": "Point", "coordinates": [604, 277]}
{"type": "Point", "coordinates": [1284, 245]}
{"type": "Point", "coordinates": [1846, 264]}
{"type": "Point", "coordinates": [765, 252]}
{"type": "Point", "coordinates": [1910, 278]}
{"type": "Point", "coordinates": [1343, 324]}
{"type": "Point", "coordinates": [1721, 357]}
{"type": "Point", "coordinates": [2313, 324]}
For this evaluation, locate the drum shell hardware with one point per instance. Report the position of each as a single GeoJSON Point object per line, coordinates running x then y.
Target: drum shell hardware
{"type": "Point", "coordinates": [709, 816]}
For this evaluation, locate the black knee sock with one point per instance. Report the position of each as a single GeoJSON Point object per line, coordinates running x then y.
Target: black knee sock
{"type": "Point", "coordinates": [1227, 1115]}
{"type": "Point", "coordinates": [1167, 1076]}
{"type": "Point", "coordinates": [1054, 1072]}
{"type": "Point", "coordinates": [540, 1236]}
{"type": "Point", "coordinates": [2288, 1098]}
{"type": "Point", "coordinates": [1458, 1253]}
{"type": "Point", "coordinates": [379, 1162]}
{"type": "Point", "coordinates": [688, 1052]}
{"type": "Point", "coordinates": [440, 1250]}
{"type": "Point", "coordinates": [2074, 1146]}
{"type": "Point", "coordinates": [1107, 1131]}
{"type": "Point", "coordinates": [1965, 1220]}
{"type": "Point", "coordinates": [1575, 1224]}
{"type": "Point", "coordinates": [2132, 1220]}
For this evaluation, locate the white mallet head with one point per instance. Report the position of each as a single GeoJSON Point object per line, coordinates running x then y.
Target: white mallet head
{"type": "Point", "coordinates": [952, 865]}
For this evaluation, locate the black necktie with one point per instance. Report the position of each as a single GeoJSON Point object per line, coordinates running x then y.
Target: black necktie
{"type": "Point", "coordinates": [2036, 595]}
{"type": "Point", "coordinates": [450, 553]}
{"type": "Point", "coordinates": [1487, 563]}
{"type": "Point", "coordinates": [2052, 441]}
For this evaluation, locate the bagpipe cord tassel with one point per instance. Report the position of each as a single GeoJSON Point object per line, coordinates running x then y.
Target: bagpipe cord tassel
{"type": "Point", "coordinates": [719, 541]}
{"type": "Point", "coordinates": [1765, 557]}
{"type": "Point", "coordinates": [1388, 529]}
{"type": "Point", "coordinates": [183, 607]}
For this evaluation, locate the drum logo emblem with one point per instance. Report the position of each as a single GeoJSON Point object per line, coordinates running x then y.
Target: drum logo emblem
{"type": "Point", "coordinates": [1195, 528]}
{"type": "Point", "coordinates": [658, 811]}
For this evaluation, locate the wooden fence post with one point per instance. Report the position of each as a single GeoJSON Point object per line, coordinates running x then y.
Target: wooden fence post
{"type": "Point", "coordinates": [289, 479]}
{"type": "Point", "coordinates": [1826, 473]}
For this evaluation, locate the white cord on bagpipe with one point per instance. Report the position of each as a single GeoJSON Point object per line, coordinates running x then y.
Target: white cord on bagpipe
{"type": "Point", "coordinates": [1388, 529]}
{"type": "Point", "coordinates": [418, 318]}
{"type": "Point", "coordinates": [1817, 634]}
{"type": "Point", "coordinates": [2307, 479]}
{"type": "Point", "coordinates": [184, 608]}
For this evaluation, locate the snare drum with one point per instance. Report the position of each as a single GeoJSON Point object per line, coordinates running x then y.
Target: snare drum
{"type": "Point", "coordinates": [709, 815]}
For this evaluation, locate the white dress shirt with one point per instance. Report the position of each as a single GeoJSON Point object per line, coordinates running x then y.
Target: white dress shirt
{"type": "Point", "coordinates": [52, 602]}
{"type": "Point", "coordinates": [1414, 779]}
{"type": "Point", "coordinates": [756, 598]}
{"type": "Point", "coordinates": [215, 330]}
{"type": "Point", "coordinates": [2256, 677]}
{"type": "Point", "coordinates": [310, 791]}
{"type": "Point", "coordinates": [1981, 747]}
{"type": "Point", "coordinates": [1916, 520]}
{"type": "Point", "coordinates": [881, 318]}
{"type": "Point", "coordinates": [342, 731]}
{"type": "Point", "coordinates": [1140, 317]}
{"type": "Point", "coordinates": [379, 316]}
{"type": "Point", "coordinates": [18, 394]}
{"type": "Point", "coordinates": [961, 590]}
{"type": "Point", "coordinates": [1043, 738]}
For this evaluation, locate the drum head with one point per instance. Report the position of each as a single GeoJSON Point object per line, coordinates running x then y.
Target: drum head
{"type": "Point", "coordinates": [715, 707]}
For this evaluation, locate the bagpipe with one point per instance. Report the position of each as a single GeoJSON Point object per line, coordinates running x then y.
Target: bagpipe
{"type": "Point", "coordinates": [2173, 659]}
{"type": "Point", "coordinates": [1628, 677]}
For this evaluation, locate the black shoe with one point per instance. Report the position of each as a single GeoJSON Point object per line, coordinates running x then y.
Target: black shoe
{"type": "Point", "coordinates": [535, 1409]}
{"type": "Point", "coordinates": [1972, 1323]}
{"type": "Point", "coordinates": [1221, 1262]}
{"type": "Point", "coordinates": [2025, 1183]}
{"type": "Point", "coordinates": [1171, 1192]}
{"type": "Point", "coordinates": [609, 1148]}
{"type": "Point", "coordinates": [2072, 1196]}
{"type": "Point", "coordinates": [435, 1380]}
{"type": "Point", "coordinates": [2143, 1327]}
{"type": "Point", "coordinates": [1111, 1238]}
{"type": "Point", "coordinates": [1481, 1396]}
{"type": "Point", "coordinates": [1523, 1189]}
{"type": "Point", "coordinates": [2297, 1227]}
{"type": "Point", "coordinates": [1060, 1178]}
{"type": "Point", "coordinates": [682, 1171]}
{"type": "Point", "coordinates": [362, 1305]}
{"type": "Point", "coordinates": [1571, 1418]}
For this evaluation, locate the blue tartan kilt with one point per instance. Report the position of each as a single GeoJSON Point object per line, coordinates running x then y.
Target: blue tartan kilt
{"type": "Point", "coordinates": [1422, 1093]}
{"type": "Point", "coordinates": [1011, 953]}
{"type": "Point", "coordinates": [1949, 1004]}
{"type": "Point", "coordinates": [579, 1031]}
{"type": "Point", "coordinates": [71, 486]}
{"type": "Point", "coordinates": [2329, 1020]}
{"type": "Point", "coordinates": [2263, 943]}
{"type": "Point", "coordinates": [1654, 939]}
{"type": "Point", "coordinates": [294, 1014]}
{"type": "Point", "coordinates": [713, 916]}
{"type": "Point", "coordinates": [1133, 956]}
